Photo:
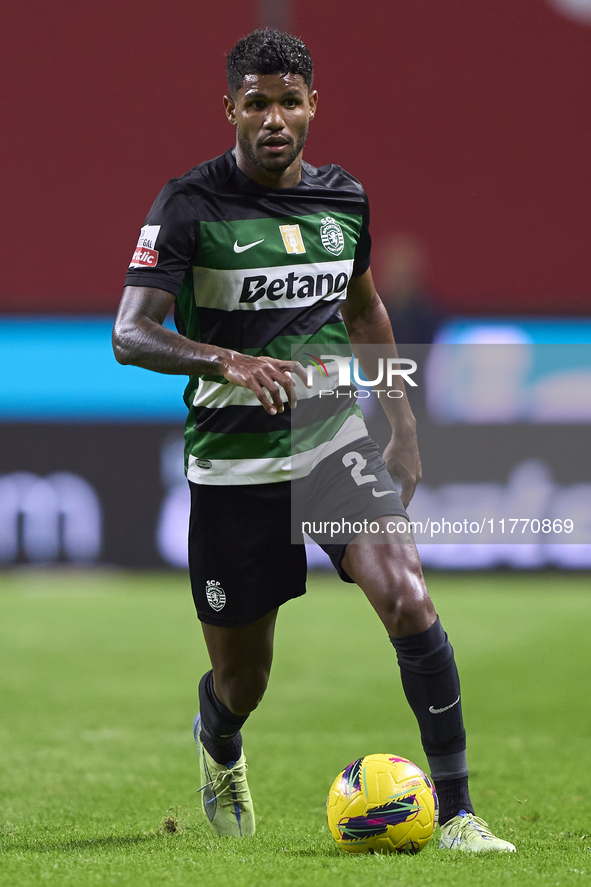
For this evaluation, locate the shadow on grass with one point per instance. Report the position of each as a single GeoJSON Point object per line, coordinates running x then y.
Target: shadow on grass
{"type": "Point", "coordinates": [110, 842]}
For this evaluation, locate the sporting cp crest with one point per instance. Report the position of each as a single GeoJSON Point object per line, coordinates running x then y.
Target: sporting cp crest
{"type": "Point", "coordinates": [216, 596]}
{"type": "Point", "coordinates": [331, 235]}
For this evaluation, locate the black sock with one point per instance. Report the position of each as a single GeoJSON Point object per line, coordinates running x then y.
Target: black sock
{"type": "Point", "coordinates": [453, 796]}
{"type": "Point", "coordinates": [432, 687]}
{"type": "Point", "coordinates": [220, 728]}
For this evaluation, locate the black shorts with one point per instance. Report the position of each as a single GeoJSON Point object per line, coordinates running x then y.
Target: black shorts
{"type": "Point", "coordinates": [246, 549]}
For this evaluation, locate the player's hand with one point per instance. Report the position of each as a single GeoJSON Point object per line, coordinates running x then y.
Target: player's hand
{"type": "Point", "coordinates": [402, 459]}
{"type": "Point", "coordinates": [265, 376]}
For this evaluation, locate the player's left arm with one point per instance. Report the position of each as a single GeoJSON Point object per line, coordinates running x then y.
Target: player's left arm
{"type": "Point", "coordinates": [368, 323]}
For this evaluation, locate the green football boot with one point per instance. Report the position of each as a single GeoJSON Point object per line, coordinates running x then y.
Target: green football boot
{"type": "Point", "coordinates": [471, 834]}
{"type": "Point", "coordinates": [225, 795]}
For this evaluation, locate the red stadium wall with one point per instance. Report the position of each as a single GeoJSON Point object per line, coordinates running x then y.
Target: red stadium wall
{"type": "Point", "coordinates": [467, 122]}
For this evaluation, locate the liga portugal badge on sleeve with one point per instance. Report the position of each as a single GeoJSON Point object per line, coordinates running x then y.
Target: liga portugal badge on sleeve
{"type": "Point", "coordinates": [145, 256]}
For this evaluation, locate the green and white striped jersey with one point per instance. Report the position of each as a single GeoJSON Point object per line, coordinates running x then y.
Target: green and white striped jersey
{"type": "Point", "coordinates": [261, 271]}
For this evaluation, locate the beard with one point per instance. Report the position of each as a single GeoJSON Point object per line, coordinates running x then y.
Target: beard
{"type": "Point", "coordinates": [271, 164]}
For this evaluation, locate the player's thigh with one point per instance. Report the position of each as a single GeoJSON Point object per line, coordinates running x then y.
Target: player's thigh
{"type": "Point", "coordinates": [364, 528]}
{"type": "Point", "coordinates": [391, 577]}
{"type": "Point", "coordinates": [346, 496]}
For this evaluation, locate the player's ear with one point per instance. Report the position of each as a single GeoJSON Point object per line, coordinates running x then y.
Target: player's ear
{"type": "Point", "coordinates": [230, 108]}
{"type": "Point", "coordinates": [313, 99]}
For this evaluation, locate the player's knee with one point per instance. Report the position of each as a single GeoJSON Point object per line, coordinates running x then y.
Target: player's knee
{"type": "Point", "coordinates": [407, 606]}
{"type": "Point", "coordinates": [243, 691]}
{"type": "Point", "coordinates": [411, 614]}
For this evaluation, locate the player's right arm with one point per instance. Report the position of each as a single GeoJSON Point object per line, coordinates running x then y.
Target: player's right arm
{"type": "Point", "coordinates": [139, 338]}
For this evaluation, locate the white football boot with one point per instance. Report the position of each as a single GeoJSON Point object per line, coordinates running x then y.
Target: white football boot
{"type": "Point", "coordinates": [471, 834]}
{"type": "Point", "coordinates": [225, 795]}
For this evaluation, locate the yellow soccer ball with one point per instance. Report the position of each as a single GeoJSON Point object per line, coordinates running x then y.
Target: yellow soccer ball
{"type": "Point", "coordinates": [382, 804]}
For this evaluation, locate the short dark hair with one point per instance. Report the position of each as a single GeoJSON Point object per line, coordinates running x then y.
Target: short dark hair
{"type": "Point", "coordinates": [268, 52]}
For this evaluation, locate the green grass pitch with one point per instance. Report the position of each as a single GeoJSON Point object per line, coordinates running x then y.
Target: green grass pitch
{"type": "Point", "coordinates": [98, 771]}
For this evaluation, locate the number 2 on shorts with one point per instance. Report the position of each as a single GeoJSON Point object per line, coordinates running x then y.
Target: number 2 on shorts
{"type": "Point", "coordinates": [358, 463]}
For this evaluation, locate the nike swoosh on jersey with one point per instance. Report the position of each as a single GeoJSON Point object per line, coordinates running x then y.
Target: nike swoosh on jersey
{"type": "Point", "coordinates": [379, 493]}
{"type": "Point", "coordinates": [438, 711]}
{"type": "Point", "coordinates": [241, 249]}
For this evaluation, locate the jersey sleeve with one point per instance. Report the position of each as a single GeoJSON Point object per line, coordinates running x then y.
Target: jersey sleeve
{"type": "Point", "coordinates": [363, 250]}
{"type": "Point", "coordinates": [167, 243]}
